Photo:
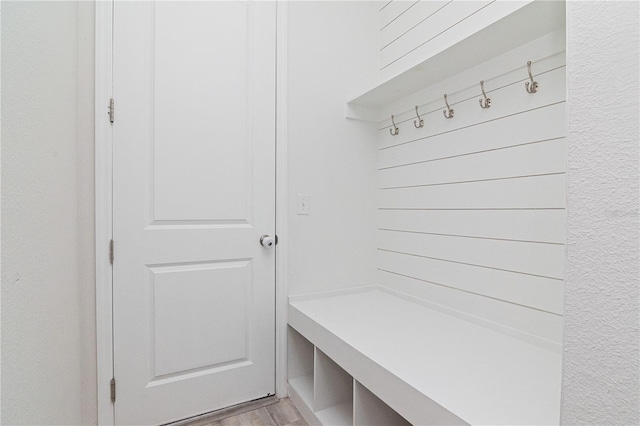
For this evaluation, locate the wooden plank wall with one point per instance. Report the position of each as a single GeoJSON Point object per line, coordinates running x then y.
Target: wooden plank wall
{"type": "Point", "coordinates": [412, 30]}
{"type": "Point", "coordinates": [472, 210]}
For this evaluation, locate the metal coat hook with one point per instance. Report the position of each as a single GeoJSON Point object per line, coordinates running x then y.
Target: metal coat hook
{"type": "Point", "coordinates": [448, 110]}
{"type": "Point", "coordinates": [419, 122]}
{"type": "Point", "coordinates": [532, 87]}
{"type": "Point", "coordinates": [395, 130]}
{"type": "Point", "coordinates": [486, 102]}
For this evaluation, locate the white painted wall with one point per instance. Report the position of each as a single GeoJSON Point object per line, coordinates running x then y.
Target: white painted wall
{"type": "Point", "coordinates": [601, 353]}
{"type": "Point", "coordinates": [332, 53]}
{"type": "Point", "coordinates": [48, 319]}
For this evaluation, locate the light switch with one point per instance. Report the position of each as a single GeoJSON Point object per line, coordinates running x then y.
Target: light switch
{"type": "Point", "coordinates": [303, 204]}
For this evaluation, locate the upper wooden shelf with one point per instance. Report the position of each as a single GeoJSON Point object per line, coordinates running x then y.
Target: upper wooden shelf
{"type": "Point", "coordinates": [527, 23]}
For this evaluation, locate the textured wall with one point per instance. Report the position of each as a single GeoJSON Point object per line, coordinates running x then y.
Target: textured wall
{"type": "Point", "coordinates": [601, 356]}
{"type": "Point", "coordinates": [86, 213]}
{"type": "Point", "coordinates": [48, 319]}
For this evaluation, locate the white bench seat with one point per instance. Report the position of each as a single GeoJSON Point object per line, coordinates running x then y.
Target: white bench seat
{"type": "Point", "coordinates": [429, 366]}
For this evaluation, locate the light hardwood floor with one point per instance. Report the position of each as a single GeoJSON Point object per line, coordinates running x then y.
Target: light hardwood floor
{"type": "Point", "coordinates": [279, 413]}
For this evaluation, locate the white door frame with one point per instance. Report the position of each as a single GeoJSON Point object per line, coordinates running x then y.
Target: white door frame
{"type": "Point", "coordinates": [104, 205]}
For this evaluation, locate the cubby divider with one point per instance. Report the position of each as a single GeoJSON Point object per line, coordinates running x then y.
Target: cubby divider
{"type": "Point", "coordinates": [333, 392]}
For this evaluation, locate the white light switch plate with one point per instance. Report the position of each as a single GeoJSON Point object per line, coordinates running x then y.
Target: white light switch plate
{"type": "Point", "coordinates": [303, 204]}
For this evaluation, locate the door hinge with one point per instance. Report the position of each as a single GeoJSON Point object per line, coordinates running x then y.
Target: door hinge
{"type": "Point", "coordinates": [111, 110]}
{"type": "Point", "coordinates": [111, 251]}
{"type": "Point", "coordinates": [113, 389]}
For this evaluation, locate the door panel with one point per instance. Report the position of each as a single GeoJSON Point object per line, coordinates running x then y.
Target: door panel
{"type": "Point", "coordinates": [197, 135]}
{"type": "Point", "coordinates": [194, 189]}
{"type": "Point", "coordinates": [199, 298]}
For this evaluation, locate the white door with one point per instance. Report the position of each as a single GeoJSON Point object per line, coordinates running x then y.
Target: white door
{"type": "Point", "coordinates": [194, 190]}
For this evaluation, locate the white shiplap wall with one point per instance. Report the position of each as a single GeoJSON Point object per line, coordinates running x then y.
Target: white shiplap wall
{"type": "Point", "coordinates": [472, 209]}
{"type": "Point", "coordinates": [413, 30]}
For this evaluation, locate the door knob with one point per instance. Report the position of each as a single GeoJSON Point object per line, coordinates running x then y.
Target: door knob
{"type": "Point", "coordinates": [267, 241]}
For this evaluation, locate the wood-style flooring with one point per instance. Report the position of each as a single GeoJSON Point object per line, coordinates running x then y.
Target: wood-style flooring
{"type": "Point", "coordinates": [273, 413]}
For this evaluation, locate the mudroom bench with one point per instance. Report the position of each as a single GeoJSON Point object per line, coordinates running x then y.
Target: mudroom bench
{"type": "Point", "coordinates": [371, 356]}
